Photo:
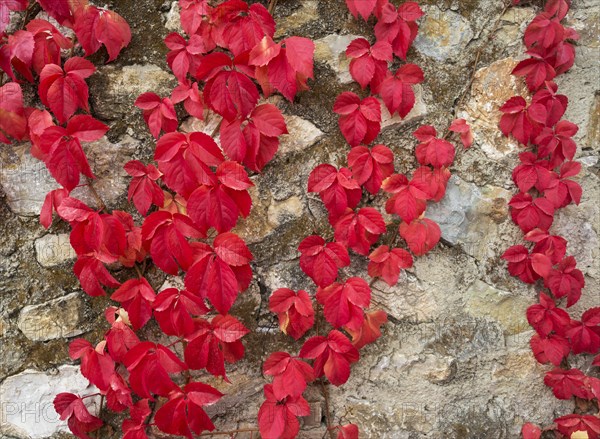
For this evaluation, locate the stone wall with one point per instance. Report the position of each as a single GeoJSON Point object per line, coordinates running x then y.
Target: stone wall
{"type": "Point", "coordinates": [455, 360]}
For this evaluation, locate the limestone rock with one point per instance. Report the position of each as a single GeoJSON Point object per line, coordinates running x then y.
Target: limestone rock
{"type": "Point", "coordinates": [24, 180]}
{"type": "Point", "coordinates": [442, 34]}
{"type": "Point", "coordinates": [112, 181]}
{"type": "Point", "coordinates": [58, 318]}
{"type": "Point", "coordinates": [52, 250]}
{"type": "Point", "coordinates": [332, 50]}
{"type": "Point", "coordinates": [282, 212]}
{"type": "Point", "coordinates": [27, 409]}
{"type": "Point", "coordinates": [418, 111]}
{"type": "Point", "coordinates": [307, 12]}
{"type": "Point", "coordinates": [172, 19]}
{"type": "Point", "coordinates": [302, 134]}
{"type": "Point", "coordinates": [470, 216]}
{"type": "Point", "coordinates": [492, 87]}
{"type": "Point", "coordinates": [483, 300]}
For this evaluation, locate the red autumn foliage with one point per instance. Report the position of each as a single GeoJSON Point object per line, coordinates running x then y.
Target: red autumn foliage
{"type": "Point", "coordinates": [294, 311]}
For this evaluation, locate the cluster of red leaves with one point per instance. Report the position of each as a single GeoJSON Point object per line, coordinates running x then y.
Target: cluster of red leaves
{"type": "Point", "coordinates": [345, 303]}
{"type": "Point", "coordinates": [190, 198]}
{"type": "Point", "coordinates": [544, 179]}
{"type": "Point", "coordinates": [37, 50]}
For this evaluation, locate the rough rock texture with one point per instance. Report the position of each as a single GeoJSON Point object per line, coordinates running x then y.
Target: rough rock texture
{"type": "Point", "coordinates": [454, 362]}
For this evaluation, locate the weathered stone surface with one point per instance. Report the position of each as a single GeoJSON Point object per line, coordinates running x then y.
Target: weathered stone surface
{"type": "Point", "coordinates": [442, 34]}
{"type": "Point", "coordinates": [418, 112]}
{"type": "Point", "coordinates": [483, 300]}
{"type": "Point", "coordinates": [58, 318]}
{"type": "Point", "coordinates": [332, 50]}
{"type": "Point", "coordinates": [52, 250]}
{"type": "Point", "coordinates": [492, 87]}
{"type": "Point", "coordinates": [112, 180]}
{"type": "Point", "coordinates": [302, 134]}
{"type": "Point", "coordinates": [454, 360]}
{"type": "Point", "coordinates": [27, 409]}
{"type": "Point", "coordinates": [470, 216]}
{"type": "Point", "coordinates": [115, 88]}
{"type": "Point", "coordinates": [282, 212]}
{"type": "Point", "coordinates": [307, 12]}
{"type": "Point", "coordinates": [24, 180]}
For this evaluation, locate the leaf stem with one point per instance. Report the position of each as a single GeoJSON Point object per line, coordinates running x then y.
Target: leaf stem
{"type": "Point", "coordinates": [328, 417]}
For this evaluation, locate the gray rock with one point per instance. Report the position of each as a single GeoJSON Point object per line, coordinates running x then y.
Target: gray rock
{"type": "Point", "coordinates": [24, 180]}
{"type": "Point", "coordinates": [52, 250]}
{"type": "Point", "coordinates": [58, 318]}
{"type": "Point", "coordinates": [442, 34]}
{"type": "Point", "coordinates": [27, 409]}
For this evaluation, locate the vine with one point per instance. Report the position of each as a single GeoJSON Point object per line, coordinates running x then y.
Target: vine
{"type": "Point", "coordinates": [192, 195]}
{"type": "Point", "coordinates": [544, 181]}
{"type": "Point", "coordinates": [345, 302]}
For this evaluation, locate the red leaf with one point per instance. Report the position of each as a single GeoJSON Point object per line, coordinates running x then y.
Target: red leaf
{"type": "Point", "coordinates": [96, 364]}
{"type": "Point", "coordinates": [369, 64]}
{"type": "Point", "coordinates": [165, 236]}
{"type": "Point", "coordinates": [397, 91]}
{"type": "Point", "coordinates": [528, 267]}
{"type": "Point", "coordinates": [333, 356]}
{"type": "Point", "coordinates": [214, 343]}
{"type": "Point", "coordinates": [219, 205]}
{"type": "Point", "coordinates": [522, 122]}
{"type": "Point", "coordinates": [48, 44]}
{"type": "Point", "coordinates": [80, 421]}
{"type": "Point", "coordinates": [65, 91]}
{"type": "Point", "coordinates": [359, 230]}
{"type": "Point", "coordinates": [569, 424]}
{"type": "Point", "coordinates": [214, 274]}
{"type": "Point", "coordinates": [96, 26]}
{"type": "Point", "coordinates": [370, 329]}
{"type": "Point", "coordinates": [149, 367]}
{"type": "Point", "coordinates": [433, 151]}
{"type": "Point", "coordinates": [585, 334]}
{"type": "Point", "coordinates": [321, 261]}
{"type": "Point", "coordinates": [566, 280]}
{"type": "Point", "coordinates": [371, 166]}
{"type": "Point", "coordinates": [398, 27]}
{"type": "Point", "coordinates": [337, 189]}
{"type": "Point", "coordinates": [408, 200]}
{"type": "Point", "coordinates": [120, 338]}
{"type": "Point", "coordinates": [546, 317]}
{"type": "Point", "coordinates": [186, 159]}
{"type": "Point", "coordinates": [92, 275]}
{"type": "Point", "coordinates": [364, 8]}
{"type": "Point", "coordinates": [5, 9]}
{"type": "Point", "coordinates": [386, 263]}
{"type": "Point", "coordinates": [278, 419]}
{"type": "Point", "coordinates": [421, 235]}
{"type": "Point", "coordinates": [530, 431]}
{"type": "Point", "coordinates": [529, 213]}
{"type": "Point", "coordinates": [183, 414]}
{"type": "Point", "coordinates": [567, 383]}
{"type": "Point", "coordinates": [294, 310]}
{"type": "Point", "coordinates": [462, 127]}
{"type": "Point", "coordinates": [173, 309]}
{"type": "Point", "coordinates": [290, 374]}
{"type": "Point", "coordinates": [231, 94]}
{"type": "Point", "coordinates": [136, 297]}
{"type": "Point", "coordinates": [360, 121]}
{"type": "Point", "coordinates": [13, 122]}
{"type": "Point", "coordinates": [158, 113]}
{"type": "Point", "coordinates": [550, 349]}
{"type": "Point", "coordinates": [343, 304]}
{"type": "Point", "coordinates": [143, 189]}
{"type": "Point", "coordinates": [348, 431]}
